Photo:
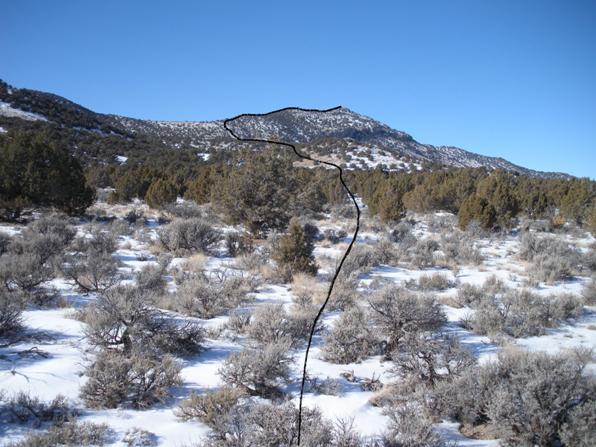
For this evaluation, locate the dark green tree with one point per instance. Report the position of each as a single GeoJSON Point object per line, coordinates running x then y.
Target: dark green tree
{"type": "Point", "coordinates": [295, 250]}
{"type": "Point", "coordinates": [478, 209]}
{"type": "Point", "coordinates": [36, 171]}
{"type": "Point", "coordinates": [387, 201]}
{"type": "Point", "coordinates": [259, 193]}
{"type": "Point", "coordinates": [498, 189]}
{"type": "Point", "coordinates": [161, 192]}
{"type": "Point", "coordinates": [577, 203]}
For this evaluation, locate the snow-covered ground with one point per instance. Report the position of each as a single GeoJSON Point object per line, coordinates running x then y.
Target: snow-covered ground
{"type": "Point", "coordinates": [62, 340]}
{"type": "Point", "coordinates": [11, 112]}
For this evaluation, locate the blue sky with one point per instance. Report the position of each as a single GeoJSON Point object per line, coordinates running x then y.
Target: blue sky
{"type": "Point", "coordinates": [515, 79]}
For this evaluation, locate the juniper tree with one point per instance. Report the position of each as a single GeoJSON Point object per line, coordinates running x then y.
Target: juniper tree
{"type": "Point", "coordinates": [36, 171]}
{"type": "Point", "coordinates": [295, 250]}
{"type": "Point", "coordinates": [161, 192]}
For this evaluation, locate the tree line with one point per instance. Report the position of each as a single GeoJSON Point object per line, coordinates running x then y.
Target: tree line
{"type": "Point", "coordinates": [263, 189]}
{"type": "Point", "coordinates": [491, 198]}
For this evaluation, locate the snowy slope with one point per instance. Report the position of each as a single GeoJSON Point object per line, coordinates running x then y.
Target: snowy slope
{"type": "Point", "coordinates": [342, 131]}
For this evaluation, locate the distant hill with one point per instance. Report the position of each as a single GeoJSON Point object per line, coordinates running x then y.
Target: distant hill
{"type": "Point", "coordinates": [344, 136]}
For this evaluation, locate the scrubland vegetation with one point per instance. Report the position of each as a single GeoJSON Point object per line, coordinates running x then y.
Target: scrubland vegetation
{"type": "Point", "coordinates": [465, 310]}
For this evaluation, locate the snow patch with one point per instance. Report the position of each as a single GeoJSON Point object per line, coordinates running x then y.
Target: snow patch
{"type": "Point", "coordinates": [9, 111]}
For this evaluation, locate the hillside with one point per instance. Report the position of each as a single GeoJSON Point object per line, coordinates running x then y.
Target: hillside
{"type": "Point", "coordinates": [345, 136]}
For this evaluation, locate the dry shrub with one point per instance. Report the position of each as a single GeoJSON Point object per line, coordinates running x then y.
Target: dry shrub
{"type": "Point", "coordinates": [69, 434]}
{"type": "Point", "coordinates": [258, 371]}
{"type": "Point", "coordinates": [92, 271]}
{"type": "Point", "coordinates": [350, 339]}
{"type": "Point", "coordinates": [11, 308]}
{"type": "Point", "coordinates": [410, 426]}
{"type": "Point", "coordinates": [459, 248]}
{"type": "Point", "coordinates": [24, 408]}
{"type": "Point", "coordinates": [527, 398]}
{"type": "Point", "coordinates": [521, 313]}
{"type": "Point", "coordinates": [589, 293]}
{"type": "Point", "coordinates": [189, 235]}
{"type": "Point", "coordinates": [195, 263]}
{"type": "Point", "coordinates": [327, 386]}
{"type": "Point", "coordinates": [271, 323]}
{"type": "Point", "coordinates": [397, 312]}
{"type": "Point", "coordinates": [136, 379]}
{"type": "Point", "coordinates": [422, 254]}
{"type": "Point", "coordinates": [209, 408]}
{"type": "Point", "coordinates": [151, 278]}
{"type": "Point", "coordinates": [238, 322]}
{"type": "Point", "coordinates": [468, 295]}
{"type": "Point", "coordinates": [362, 258]}
{"type": "Point", "coordinates": [207, 296]}
{"type": "Point", "coordinates": [435, 281]}
{"type": "Point", "coordinates": [23, 271]}
{"type": "Point", "coordinates": [125, 318]}
{"type": "Point", "coordinates": [252, 262]}
{"type": "Point", "coordinates": [264, 424]}
{"type": "Point", "coordinates": [137, 437]}
{"type": "Point", "coordinates": [307, 290]}
{"type": "Point", "coordinates": [425, 358]}
{"type": "Point", "coordinates": [345, 292]}
{"type": "Point", "coordinates": [551, 259]}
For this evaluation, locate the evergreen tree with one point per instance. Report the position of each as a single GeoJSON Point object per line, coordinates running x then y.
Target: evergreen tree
{"type": "Point", "coordinates": [199, 188]}
{"type": "Point", "coordinates": [295, 250]}
{"type": "Point", "coordinates": [161, 192]}
{"type": "Point", "coordinates": [36, 171]}
{"type": "Point", "coordinates": [498, 190]}
{"type": "Point", "coordinates": [260, 193]}
{"type": "Point", "coordinates": [577, 203]}
{"type": "Point", "coordinates": [478, 209]}
{"type": "Point", "coordinates": [387, 201]}
{"type": "Point", "coordinates": [592, 221]}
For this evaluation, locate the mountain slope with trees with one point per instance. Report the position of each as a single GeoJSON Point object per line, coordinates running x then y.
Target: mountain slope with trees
{"type": "Point", "coordinates": [352, 139]}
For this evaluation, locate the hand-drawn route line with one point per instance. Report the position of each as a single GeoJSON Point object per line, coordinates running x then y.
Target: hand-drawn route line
{"type": "Point", "coordinates": [347, 252]}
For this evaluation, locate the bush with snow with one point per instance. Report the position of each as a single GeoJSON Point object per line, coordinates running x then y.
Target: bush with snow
{"type": "Point", "coordinates": [434, 281]}
{"type": "Point", "coordinates": [70, 434]}
{"type": "Point", "coordinates": [551, 259]}
{"type": "Point", "coordinates": [258, 371]}
{"type": "Point", "coordinates": [189, 235]}
{"type": "Point", "coordinates": [266, 424]}
{"type": "Point", "coordinates": [397, 312]}
{"type": "Point", "coordinates": [125, 318]}
{"type": "Point", "coordinates": [207, 296]}
{"type": "Point", "coordinates": [210, 407]}
{"type": "Point", "coordinates": [458, 247]}
{"type": "Point", "coordinates": [349, 339]}
{"type": "Point", "coordinates": [30, 257]}
{"type": "Point", "coordinates": [410, 426]}
{"type": "Point", "coordinates": [238, 243]}
{"type": "Point", "coordinates": [521, 313]}
{"type": "Point", "coordinates": [527, 399]}
{"type": "Point", "coordinates": [135, 379]}
{"type": "Point", "coordinates": [422, 254]}
{"type": "Point", "coordinates": [426, 358]}
{"type": "Point", "coordinates": [468, 295]}
{"type": "Point", "coordinates": [137, 437]}
{"type": "Point", "coordinates": [24, 408]}
{"type": "Point", "coordinates": [11, 308]}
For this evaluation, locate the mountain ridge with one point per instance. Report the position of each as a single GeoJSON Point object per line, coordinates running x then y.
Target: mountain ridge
{"type": "Point", "coordinates": [357, 141]}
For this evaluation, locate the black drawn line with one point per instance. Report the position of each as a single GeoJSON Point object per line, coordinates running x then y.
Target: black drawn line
{"type": "Point", "coordinates": [347, 252]}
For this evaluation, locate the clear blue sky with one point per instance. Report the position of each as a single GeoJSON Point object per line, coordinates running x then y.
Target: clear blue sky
{"type": "Point", "coordinates": [515, 79]}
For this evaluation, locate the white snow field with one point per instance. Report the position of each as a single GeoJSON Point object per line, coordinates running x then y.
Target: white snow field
{"type": "Point", "coordinates": [66, 352]}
